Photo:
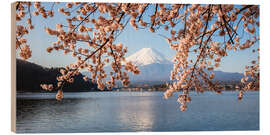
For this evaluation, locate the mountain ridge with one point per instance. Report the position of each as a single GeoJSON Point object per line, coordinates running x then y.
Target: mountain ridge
{"type": "Point", "coordinates": [147, 56]}
{"type": "Point", "coordinates": [155, 67]}
{"type": "Point", "coordinates": [29, 76]}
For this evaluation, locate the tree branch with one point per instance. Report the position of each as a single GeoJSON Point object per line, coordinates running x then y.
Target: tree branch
{"type": "Point", "coordinates": [225, 23]}
{"type": "Point", "coordinates": [142, 13]}
{"type": "Point", "coordinates": [101, 46]}
{"type": "Point", "coordinates": [84, 20]}
{"type": "Point", "coordinates": [155, 15]}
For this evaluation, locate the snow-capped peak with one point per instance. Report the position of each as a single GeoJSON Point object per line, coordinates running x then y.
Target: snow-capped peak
{"type": "Point", "coordinates": [147, 56]}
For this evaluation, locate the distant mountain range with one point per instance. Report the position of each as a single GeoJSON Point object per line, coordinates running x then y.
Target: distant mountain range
{"type": "Point", "coordinates": [29, 76]}
{"type": "Point", "coordinates": [156, 68]}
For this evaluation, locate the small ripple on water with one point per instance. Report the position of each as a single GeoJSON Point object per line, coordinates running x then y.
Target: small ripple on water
{"type": "Point", "coordinates": [135, 111]}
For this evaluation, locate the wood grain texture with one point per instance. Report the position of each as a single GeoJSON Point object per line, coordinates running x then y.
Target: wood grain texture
{"type": "Point", "coordinates": [13, 67]}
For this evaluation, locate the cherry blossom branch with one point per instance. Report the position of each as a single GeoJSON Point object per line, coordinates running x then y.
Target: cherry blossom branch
{"type": "Point", "coordinates": [17, 5]}
{"type": "Point", "coordinates": [84, 19]}
{"type": "Point", "coordinates": [153, 23]}
{"type": "Point", "coordinates": [142, 12]}
{"type": "Point", "coordinates": [30, 16]}
{"type": "Point", "coordinates": [89, 56]}
{"type": "Point", "coordinates": [194, 35]}
{"type": "Point", "coordinates": [244, 8]}
{"type": "Point", "coordinates": [225, 23]}
{"type": "Point", "coordinates": [202, 50]}
{"type": "Point", "coordinates": [185, 20]}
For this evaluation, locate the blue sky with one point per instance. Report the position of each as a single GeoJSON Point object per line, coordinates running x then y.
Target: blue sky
{"type": "Point", "coordinates": [134, 40]}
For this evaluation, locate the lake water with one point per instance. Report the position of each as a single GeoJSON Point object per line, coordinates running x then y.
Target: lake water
{"type": "Point", "coordinates": [135, 111]}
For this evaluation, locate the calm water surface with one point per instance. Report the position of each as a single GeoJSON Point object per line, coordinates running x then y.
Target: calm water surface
{"type": "Point", "coordinates": [134, 111]}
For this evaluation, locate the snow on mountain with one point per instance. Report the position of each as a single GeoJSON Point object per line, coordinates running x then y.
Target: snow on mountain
{"type": "Point", "coordinates": [155, 67]}
{"type": "Point", "coordinates": [147, 56]}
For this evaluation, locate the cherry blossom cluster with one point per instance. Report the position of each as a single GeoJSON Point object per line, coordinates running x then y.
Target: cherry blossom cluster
{"type": "Point", "coordinates": [251, 79]}
{"type": "Point", "coordinates": [208, 32]}
{"type": "Point", "coordinates": [97, 34]}
{"type": "Point", "coordinates": [47, 87]}
{"type": "Point", "coordinates": [24, 14]}
{"type": "Point", "coordinates": [201, 22]}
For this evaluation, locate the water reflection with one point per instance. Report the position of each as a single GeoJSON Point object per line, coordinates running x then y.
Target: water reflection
{"type": "Point", "coordinates": [137, 115]}
{"type": "Point", "coordinates": [134, 111]}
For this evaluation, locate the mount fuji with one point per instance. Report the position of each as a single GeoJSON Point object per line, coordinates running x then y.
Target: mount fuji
{"type": "Point", "coordinates": [156, 68]}
{"type": "Point", "coordinates": [153, 66]}
{"type": "Point", "coordinates": [148, 56]}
